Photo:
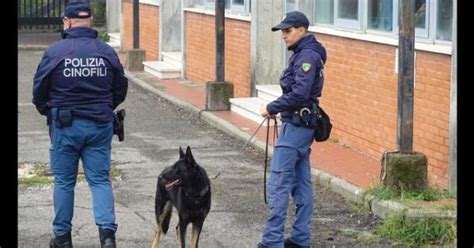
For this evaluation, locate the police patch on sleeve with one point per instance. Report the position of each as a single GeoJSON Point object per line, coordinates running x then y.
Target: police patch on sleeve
{"type": "Point", "coordinates": [306, 67]}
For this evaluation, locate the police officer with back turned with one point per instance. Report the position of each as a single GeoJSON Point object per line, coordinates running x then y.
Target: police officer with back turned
{"type": "Point", "coordinates": [77, 85]}
{"type": "Point", "coordinates": [290, 173]}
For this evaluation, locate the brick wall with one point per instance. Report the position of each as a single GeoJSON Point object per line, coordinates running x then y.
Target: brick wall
{"type": "Point", "coordinates": [200, 46]}
{"type": "Point", "coordinates": [149, 28]}
{"type": "Point", "coordinates": [361, 94]}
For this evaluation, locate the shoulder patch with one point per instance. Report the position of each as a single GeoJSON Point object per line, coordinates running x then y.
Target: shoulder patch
{"type": "Point", "coordinates": [306, 67]}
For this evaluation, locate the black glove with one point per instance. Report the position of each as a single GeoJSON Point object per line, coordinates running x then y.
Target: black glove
{"type": "Point", "coordinates": [119, 118]}
{"type": "Point", "coordinates": [43, 109]}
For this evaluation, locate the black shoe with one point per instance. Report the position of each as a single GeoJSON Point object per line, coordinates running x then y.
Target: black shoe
{"type": "Point", "coordinates": [63, 241]}
{"type": "Point", "coordinates": [107, 238]}
{"type": "Point", "coordinates": [260, 245]}
{"type": "Point", "coordinates": [289, 244]}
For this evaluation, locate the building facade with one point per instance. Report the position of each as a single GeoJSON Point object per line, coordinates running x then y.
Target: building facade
{"type": "Point", "coordinates": [361, 38]}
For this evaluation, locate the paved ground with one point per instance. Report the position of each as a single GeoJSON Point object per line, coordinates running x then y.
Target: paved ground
{"type": "Point", "coordinates": [155, 130]}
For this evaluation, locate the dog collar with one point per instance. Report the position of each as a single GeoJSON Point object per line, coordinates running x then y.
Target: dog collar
{"type": "Point", "coordinates": [170, 185]}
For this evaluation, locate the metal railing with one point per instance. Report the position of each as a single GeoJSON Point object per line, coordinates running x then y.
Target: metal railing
{"type": "Point", "coordinates": [42, 15]}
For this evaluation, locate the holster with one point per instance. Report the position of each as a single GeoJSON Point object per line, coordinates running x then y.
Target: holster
{"type": "Point", "coordinates": [119, 127]}
{"type": "Point", "coordinates": [62, 117]}
{"type": "Point", "coordinates": [304, 117]}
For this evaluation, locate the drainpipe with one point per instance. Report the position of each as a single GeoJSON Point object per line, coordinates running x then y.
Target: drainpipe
{"type": "Point", "coordinates": [220, 41]}
{"type": "Point", "coordinates": [453, 130]}
{"type": "Point", "coordinates": [136, 26]}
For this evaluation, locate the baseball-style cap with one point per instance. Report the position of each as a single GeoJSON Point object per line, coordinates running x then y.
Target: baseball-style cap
{"type": "Point", "coordinates": [73, 9]}
{"type": "Point", "coordinates": [292, 19]}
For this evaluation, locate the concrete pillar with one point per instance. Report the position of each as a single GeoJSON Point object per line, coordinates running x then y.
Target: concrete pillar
{"type": "Point", "coordinates": [113, 9]}
{"type": "Point", "coordinates": [405, 172]}
{"type": "Point", "coordinates": [170, 26]}
{"type": "Point", "coordinates": [122, 35]}
{"type": "Point", "coordinates": [218, 95]}
{"type": "Point", "coordinates": [267, 48]}
{"type": "Point", "coordinates": [453, 114]}
{"type": "Point", "coordinates": [135, 58]}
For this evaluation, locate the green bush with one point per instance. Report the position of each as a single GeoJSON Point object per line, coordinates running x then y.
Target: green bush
{"type": "Point", "coordinates": [98, 13]}
{"type": "Point", "coordinates": [103, 36]}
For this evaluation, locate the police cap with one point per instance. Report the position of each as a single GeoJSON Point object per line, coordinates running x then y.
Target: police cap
{"type": "Point", "coordinates": [292, 19]}
{"type": "Point", "coordinates": [74, 7]}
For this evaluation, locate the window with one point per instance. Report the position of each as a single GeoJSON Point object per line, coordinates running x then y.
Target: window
{"type": "Point", "coordinates": [380, 15]}
{"type": "Point", "coordinates": [444, 20]}
{"type": "Point", "coordinates": [241, 6]}
{"type": "Point", "coordinates": [324, 11]}
{"type": "Point", "coordinates": [421, 18]}
{"type": "Point", "coordinates": [290, 5]}
{"type": "Point", "coordinates": [347, 14]}
{"type": "Point", "coordinates": [433, 18]}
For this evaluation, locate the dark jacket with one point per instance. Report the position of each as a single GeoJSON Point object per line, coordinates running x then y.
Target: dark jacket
{"type": "Point", "coordinates": [302, 81]}
{"type": "Point", "coordinates": [80, 73]}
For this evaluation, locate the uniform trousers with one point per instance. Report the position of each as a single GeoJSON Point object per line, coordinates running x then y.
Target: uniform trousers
{"type": "Point", "coordinates": [290, 173]}
{"type": "Point", "coordinates": [89, 141]}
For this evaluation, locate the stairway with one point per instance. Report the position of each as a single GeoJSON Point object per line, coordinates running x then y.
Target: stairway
{"type": "Point", "coordinates": [249, 107]}
{"type": "Point", "coordinates": [114, 40]}
{"type": "Point", "coordinates": [168, 68]}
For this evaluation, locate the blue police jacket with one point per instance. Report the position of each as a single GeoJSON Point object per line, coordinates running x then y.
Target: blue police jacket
{"type": "Point", "coordinates": [80, 73]}
{"type": "Point", "coordinates": [302, 81]}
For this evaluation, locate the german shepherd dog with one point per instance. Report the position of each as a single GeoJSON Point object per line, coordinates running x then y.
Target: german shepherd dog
{"type": "Point", "coordinates": [186, 186]}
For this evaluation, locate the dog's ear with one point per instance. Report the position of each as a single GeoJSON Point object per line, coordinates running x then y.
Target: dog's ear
{"type": "Point", "coordinates": [181, 153]}
{"type": "Point", "coordinates": [189, 157]}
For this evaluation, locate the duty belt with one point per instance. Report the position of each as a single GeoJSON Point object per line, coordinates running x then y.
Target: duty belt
{"type": "Point", "coordinates": [305, 116]}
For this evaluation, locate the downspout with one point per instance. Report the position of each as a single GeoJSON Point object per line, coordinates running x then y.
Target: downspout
{"type": "Point", "coordinates": [453, 130]}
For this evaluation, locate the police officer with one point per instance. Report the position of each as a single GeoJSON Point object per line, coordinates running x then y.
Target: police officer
{"type": "Point", "coordinates": [290, 173]}
{"type": "Point", "coordinates": [77, 85]}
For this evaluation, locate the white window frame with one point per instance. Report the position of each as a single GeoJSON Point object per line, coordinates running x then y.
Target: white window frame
{"type": "Point", "coordinates": [209, 4]}
{"type": "Point", "coordinates": [423, 33]}
{"type": "Point", "coordinates": [233, 8]}
{"type": "Point", "coordinates": [394, 20]}
{"type": "Point", "coordinates": [346, 23]}
{"type": "Point", "coordinates": [434, 26]}
{"type": "Point", "coordinates": [239, 8]}
{"type": "Point", "coordinates": [150, 2]}
{"type": "Point", "coordinates": [290, 6]}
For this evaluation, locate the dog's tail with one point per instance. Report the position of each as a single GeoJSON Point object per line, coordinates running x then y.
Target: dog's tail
{"type": "Point", "coordinates": [165, 223]}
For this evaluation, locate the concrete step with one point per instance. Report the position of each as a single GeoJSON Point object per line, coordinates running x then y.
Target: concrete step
{"type": "Point", "coordinates": [268, 92]}
{"type": "Point", "coordinates": [162, 69]}
{"type": "Point", "coordinates": [114, 40]}
{"type": "Point", "coordinates": [172, 57]}
{"type": "Point", "coordinates": [249, 107]}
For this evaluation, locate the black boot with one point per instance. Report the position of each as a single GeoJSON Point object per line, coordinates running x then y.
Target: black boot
{"type": "Point", "coordinates": [63, 241]}
{"type": "Point", "coordinates": [289, 244]}
{"type": "Point", "coordinates": [107, 238]}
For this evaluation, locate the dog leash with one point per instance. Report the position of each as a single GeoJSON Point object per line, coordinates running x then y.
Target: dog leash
{"type": "Point", "coordinates": [243, 147]}
{"type": "Point", "coordinates": [275, 135]}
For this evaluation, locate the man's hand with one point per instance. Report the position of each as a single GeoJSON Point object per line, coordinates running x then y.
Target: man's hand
{"type": "Point", "coordinates": [263, 111]}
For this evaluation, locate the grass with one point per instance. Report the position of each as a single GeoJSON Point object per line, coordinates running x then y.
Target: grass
{"type": "Point", "coordinates": [416, 231]}
{"type": "Point", "coordinates": [360, 208]}
{"type": "Point", "coordinates": [427, 231]}
{"type": "Point", "coordinates": [40, 175]}
{"type": "Point", "coordinates": [365, 239]}
{"type": "Point", "coordinates": [35, 180]}
{"type": "Point", "coordinates": [430, 194]}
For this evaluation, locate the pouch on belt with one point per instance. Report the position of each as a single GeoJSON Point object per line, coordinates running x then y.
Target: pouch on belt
{"type": "Point", "coordinates": [63, 118]}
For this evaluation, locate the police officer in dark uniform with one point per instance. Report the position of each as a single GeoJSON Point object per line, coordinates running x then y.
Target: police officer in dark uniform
{"type": "Point", "coordinates": [290, 173]}
{"type": "Point", "coordinates": [77, 85]}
